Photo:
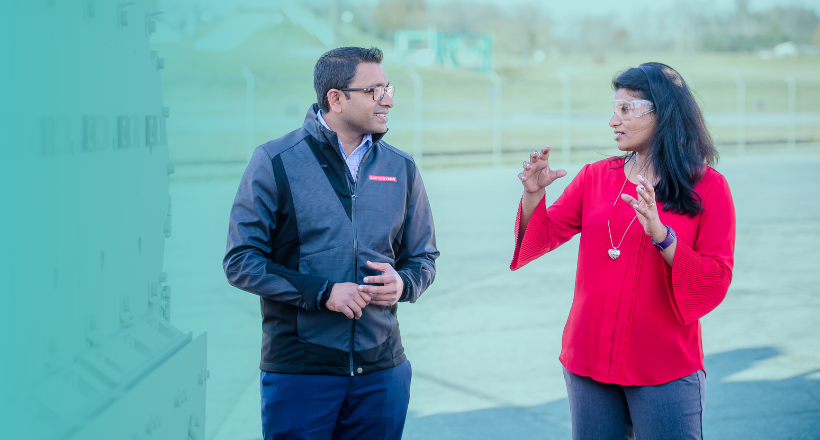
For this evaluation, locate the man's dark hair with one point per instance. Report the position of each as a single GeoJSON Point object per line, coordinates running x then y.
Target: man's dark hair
{"type": "Point", "coordinates": [681, 143]}
{"type": "Point", "coordinates": [336, 69]}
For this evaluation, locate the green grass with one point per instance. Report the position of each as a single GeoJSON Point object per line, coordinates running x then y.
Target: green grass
{"type": "Point", "coordinates": [207, 95]}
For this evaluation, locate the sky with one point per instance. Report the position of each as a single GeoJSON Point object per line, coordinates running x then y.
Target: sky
{"type": "Point", "coordinates": [558, 9]}
{"type": "Point", "coordinates": [564, 14]}
{"type": "Point", "coordinates": [561, 9]}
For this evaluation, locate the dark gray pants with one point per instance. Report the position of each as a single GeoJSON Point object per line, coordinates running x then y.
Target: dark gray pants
{"type": "Point", "coordinates": [671, 411]}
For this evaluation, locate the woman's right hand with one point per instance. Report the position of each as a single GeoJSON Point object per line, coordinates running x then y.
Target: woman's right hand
{"type": "Point", "coordinates": [537, 174]}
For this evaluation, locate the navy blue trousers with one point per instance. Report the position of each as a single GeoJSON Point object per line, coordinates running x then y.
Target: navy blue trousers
{"type": "Point", "coordinates": [670, 411]}
{"type": "Point", "coordinates": [317, 407]}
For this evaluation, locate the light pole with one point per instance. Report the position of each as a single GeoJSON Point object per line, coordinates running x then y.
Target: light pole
{"type": "Point", "coordinates": [497, 84]}
{"type": "Point", "coordinates": [250, 93]}
{"type": "Point", "coordinates": [741, 114]}
{"type": "Point", "coordinates": [566, 126]}
{"type": "Point", "coordinates": [418, 105]}
{"type": "Point", "coordinates": [792, 109]}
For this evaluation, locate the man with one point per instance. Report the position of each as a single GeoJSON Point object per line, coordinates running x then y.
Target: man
{"type": "Point", "coordinates": [331, 227]}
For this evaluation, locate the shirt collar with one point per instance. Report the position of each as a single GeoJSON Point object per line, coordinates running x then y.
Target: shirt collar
{"type": "Point", "coordinates": [366, 139]}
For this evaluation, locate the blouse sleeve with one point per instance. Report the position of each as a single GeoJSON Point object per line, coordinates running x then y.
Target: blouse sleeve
{"type": "Point", "coordinates": [700, 276]}
{"type": "Point", "coordinates": [550, 227]}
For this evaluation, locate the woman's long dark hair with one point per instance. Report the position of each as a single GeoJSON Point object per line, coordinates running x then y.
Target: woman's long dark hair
{"type": "Point", "coordinates": [680, 144]}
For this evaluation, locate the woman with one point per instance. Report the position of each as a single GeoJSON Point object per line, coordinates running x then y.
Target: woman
{"type": "Point", "coordinates": [657, 232]}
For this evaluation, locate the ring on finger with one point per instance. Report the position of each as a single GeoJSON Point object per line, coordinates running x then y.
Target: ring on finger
{"type": "Point", "coordinates": [649, 205]}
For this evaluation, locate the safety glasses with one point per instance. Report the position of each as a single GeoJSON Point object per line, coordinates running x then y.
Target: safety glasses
{"type": "Point", "coordinates": [627, 110]}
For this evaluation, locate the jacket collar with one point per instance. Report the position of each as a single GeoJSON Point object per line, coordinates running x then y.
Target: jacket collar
{"type": "Point", "coordinates": [322, 134]}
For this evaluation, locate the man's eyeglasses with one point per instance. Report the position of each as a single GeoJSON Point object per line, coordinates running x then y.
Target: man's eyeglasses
{"type": "Point", "coordinates": [378, 92]}
{"type": "Point", "coordinates": [627, 110]}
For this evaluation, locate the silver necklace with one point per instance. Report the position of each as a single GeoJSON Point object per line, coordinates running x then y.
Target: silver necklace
{"type": "Point", "coordinates": [614, 253]}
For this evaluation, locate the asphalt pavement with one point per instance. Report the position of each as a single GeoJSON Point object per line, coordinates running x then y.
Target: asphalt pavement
{"type": "Point", "coordinates": [484, 341]}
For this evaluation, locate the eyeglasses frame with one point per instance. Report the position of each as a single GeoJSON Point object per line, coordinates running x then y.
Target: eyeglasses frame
{"type": "Point", "coordinates": [373, 90]}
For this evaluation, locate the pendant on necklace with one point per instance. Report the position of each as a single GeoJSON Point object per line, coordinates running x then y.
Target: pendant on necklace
{"type": "Point", "coordinates": [614, 253]}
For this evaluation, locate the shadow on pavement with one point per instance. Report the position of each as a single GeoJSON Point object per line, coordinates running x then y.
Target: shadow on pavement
{"type": "Point", "coordinates": [765, 409]}
{"type": "Point", "coordinates": [547, 421]}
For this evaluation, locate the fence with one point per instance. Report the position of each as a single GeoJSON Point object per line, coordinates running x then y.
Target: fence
{"type": "Point", "coordinates": [485, 118]}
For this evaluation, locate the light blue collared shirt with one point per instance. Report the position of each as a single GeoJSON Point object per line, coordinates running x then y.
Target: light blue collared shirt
{"type": "Point", "coordinates": [355, 159]}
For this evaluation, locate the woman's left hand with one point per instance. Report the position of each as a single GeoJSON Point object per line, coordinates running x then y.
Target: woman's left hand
{"type": "Point", "coordinates": [647, 210]}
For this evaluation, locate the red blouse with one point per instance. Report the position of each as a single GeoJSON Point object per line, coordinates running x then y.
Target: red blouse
{"type": "Point", "coordinates": [635, 320]}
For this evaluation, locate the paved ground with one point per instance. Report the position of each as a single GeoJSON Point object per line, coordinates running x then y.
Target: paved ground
{"type": "Point", "coordinates": [484, 341]}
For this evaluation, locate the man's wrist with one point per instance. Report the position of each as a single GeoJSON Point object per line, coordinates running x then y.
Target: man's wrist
{"type": "Point", "coordinates": [403, 292]}
{"type": "Point", "coordinates": [326, 295]}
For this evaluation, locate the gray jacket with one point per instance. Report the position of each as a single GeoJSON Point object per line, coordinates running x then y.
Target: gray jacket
{"type": "Point", "coordinates": [300, 224]}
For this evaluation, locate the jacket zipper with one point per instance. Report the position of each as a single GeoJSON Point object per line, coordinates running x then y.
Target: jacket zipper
{"type": "Point", "coordinates": [355, 268]}
{"type": "Point", "coordinates": [354, 196]}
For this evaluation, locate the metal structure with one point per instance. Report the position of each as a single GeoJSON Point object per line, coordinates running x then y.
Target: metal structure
{"type": "Point", "coordinates": [452, 50]}
{"type": "Point", "coordinates": [88, 348]}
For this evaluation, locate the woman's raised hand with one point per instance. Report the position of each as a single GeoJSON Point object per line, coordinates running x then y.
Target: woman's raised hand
{"type": "Point", "coordinates": [646, 209]}
{"type": "Point", "coordinates": [537, 174]}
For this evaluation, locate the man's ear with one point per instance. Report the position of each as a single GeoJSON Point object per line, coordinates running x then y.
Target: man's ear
{"type": "Point", "coordinates": [334, 98]}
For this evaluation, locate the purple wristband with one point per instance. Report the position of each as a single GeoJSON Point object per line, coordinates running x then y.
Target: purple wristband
{"type": "Point", "coordinates": [670, 237]}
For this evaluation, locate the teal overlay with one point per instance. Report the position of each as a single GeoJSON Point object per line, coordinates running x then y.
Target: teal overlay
{"type": "Point", "coordinates": [126, 125]}
{"type": "Point", "coordinates": [89, 348]}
